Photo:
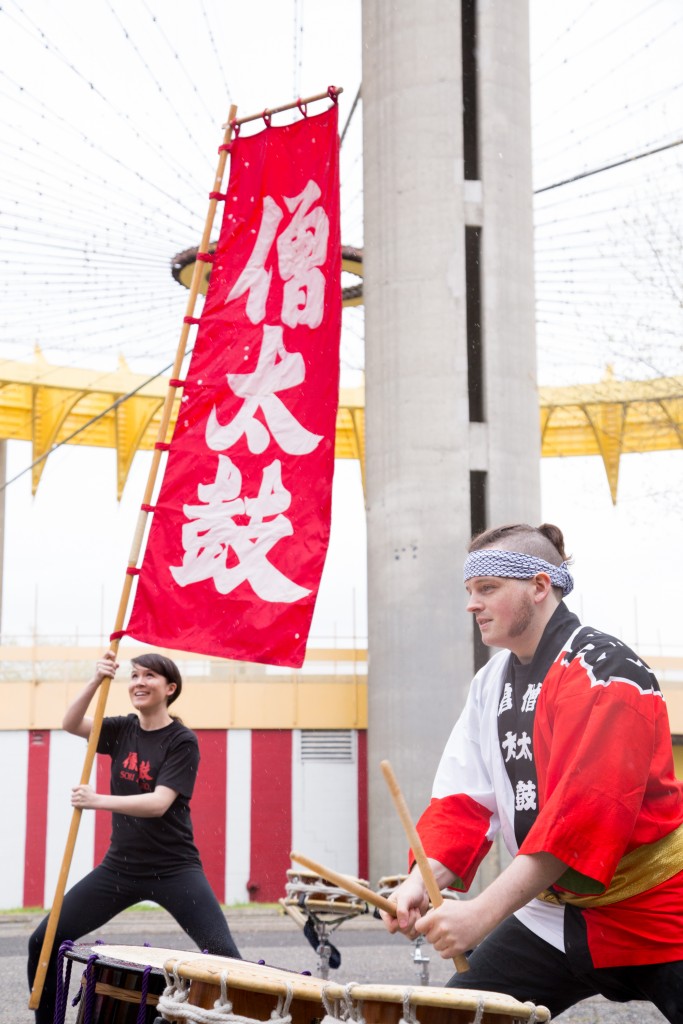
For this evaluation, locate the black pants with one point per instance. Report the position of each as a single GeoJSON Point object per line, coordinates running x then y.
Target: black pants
{"type": "Point", "coordinates": [516, 962]}
{"type": "Point", "coordinates": [102, 894]}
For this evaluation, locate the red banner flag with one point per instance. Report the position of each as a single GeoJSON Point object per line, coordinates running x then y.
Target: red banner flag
{"type": "Point", "coordinates": [241, 527]}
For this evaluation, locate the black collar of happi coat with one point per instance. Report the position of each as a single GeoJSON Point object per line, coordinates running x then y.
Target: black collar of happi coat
{"type": "Point", "coordinates": [559, 627]}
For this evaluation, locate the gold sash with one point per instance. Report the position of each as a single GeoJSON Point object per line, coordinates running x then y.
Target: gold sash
{"type": "Point", "coordinates": [637, 871]}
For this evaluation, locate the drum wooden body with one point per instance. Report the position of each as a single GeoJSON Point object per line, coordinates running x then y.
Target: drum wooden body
{"type": "Point", "coordinates": [254, 990]}
{"type": "Point", "coordinates": [309, 891]}
{"type": "Point", "coordinates": [392, 1004]}
{"type": "Point", "coordinates": [118, 988]}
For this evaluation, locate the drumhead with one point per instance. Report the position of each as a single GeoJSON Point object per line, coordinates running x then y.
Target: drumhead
{"type": "Point", "coordinates": [390, 881]}
{"type": "Point", "coordinates": [241, 974]}
{"type": "Point", "coordinates": [108, 957]}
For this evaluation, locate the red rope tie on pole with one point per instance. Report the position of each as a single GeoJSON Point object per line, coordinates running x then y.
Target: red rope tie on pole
{"type": "Point", "coordinates": [267, 117]}
{"type": "Point", "coordinates": [175, 383]}
{"type": "Point", "coordinates": [190, 319]}
{"type": "Point", "coordinates": [205, 257]}
{"type": "Point", "coordinates": [220, 196]}
{"type": "Point", "coordinates": [303, 107]}
{"type": "Point", "coordinates": [147, 508]}
{"type": "Point", "coordinates": [132, 571]}
{"type": "Point", "coordinates": [117, 635]}
{"type": "Point", "coordinates": [333, 93]}
{"type": "Point", "coordinates": [162, 446]}
{"type": "Point", "coordinates": [225, 147]}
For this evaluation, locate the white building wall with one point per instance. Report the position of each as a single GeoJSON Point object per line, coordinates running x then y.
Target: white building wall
{"type": "Point", "coordinates": [325, 809]}
{"type": "Point", "coordinates": [14, 773]}
{"type": "Point", "coordinates": [67, 755]}
{"type": "Point", "coordinates": [238, 814]}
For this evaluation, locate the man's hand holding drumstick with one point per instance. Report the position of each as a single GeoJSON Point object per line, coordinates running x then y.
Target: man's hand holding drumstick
{"type": "Point", "coordinates": [412, 903]}
{"type": "Point", "coordinates": [422, 885]}
{"type": "Point", "coordinates": [456, 926]}
{"type": "Point", "coordinates": [451, 928]}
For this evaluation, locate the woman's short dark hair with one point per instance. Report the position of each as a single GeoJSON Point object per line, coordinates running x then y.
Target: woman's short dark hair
{"type": "Point", "coordinates": [163, 667]}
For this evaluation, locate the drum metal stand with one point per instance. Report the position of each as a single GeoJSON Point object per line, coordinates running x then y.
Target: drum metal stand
{"type": "Point", "coordinates": [421, 960]}
{"type": "Point", "coordinates": [323, 929]}
{"type": "Point", "coordinates": [319, 908]}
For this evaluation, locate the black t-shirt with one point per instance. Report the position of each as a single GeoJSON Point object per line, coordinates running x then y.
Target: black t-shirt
{"type": "Point", "coordinates": [140, 761]}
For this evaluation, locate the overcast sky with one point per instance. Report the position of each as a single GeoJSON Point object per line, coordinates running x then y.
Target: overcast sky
{"type": "Point", "coordinates": [111, 116]}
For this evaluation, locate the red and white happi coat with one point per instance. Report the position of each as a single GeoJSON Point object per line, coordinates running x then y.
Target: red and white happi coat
{"type": "Point", "coordinates": [603, 785]}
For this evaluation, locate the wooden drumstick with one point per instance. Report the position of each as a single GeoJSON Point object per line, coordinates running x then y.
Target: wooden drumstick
{"type": "Point", "coordinates": [344, 882]}
{"type": "Point", "coordinates": [460, 961]}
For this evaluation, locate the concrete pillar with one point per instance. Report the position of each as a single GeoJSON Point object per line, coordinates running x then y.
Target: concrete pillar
{"type": "Point", "coordinates": [512, 435]}
{"type": "Point", "coordinates": [3, 483]}
{"type": "Point", "coordinates": [420, 444]}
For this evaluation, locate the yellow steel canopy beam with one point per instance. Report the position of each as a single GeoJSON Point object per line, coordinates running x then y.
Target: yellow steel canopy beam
{"type": "Point", "coordinates": [50, 405]}
{"type": "Point", "coordinates": [612, 418]}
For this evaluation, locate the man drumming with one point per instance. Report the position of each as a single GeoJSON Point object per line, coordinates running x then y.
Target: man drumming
{"type": "Point", "coordinates": [564, 745]}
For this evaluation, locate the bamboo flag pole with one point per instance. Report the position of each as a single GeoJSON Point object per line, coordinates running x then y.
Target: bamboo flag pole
{"type": "Point", "coordinates": [136, 547]}
{"type": "Point", "coordinates": [332, 92]}
{"type": "Point", "coordinates": [423, 864]}
{"type": "Point", "coordinates": [351, 885]}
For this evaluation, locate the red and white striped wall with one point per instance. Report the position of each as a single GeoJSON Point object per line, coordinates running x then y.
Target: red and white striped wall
{"type": "Point", "coordinates": [259, 795]}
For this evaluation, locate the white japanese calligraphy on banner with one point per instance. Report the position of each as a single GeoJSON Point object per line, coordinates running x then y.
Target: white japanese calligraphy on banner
{"type": "Point", "coordinates": [302, 250]}
{"type": "Point", "coordinates": [212, 530]}
{"type": "Point", "coordinates": [212, 533]}
{"type": "Point", "coordinates": [277, 370]}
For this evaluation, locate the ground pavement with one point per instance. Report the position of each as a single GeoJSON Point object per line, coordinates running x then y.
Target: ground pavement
{"type": "Point", "coordinates": [369, 954]}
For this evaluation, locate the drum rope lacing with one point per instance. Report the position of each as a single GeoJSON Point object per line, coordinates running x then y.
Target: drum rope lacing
{"type": "Point", "coordinates": [354, 1009]}
{"type": "Point", "coordinates": [90, 982]}
{"type": "Point", "coordinates": [333, 1009]}
{"type": "Point", "coordinates": [478, 1017]}
{"type": "Point", "coordinates": [174, 1007]}
{"type": "Point", "coordinates": [144, 992]}
{"type": "Point", "coordinates": [408, 1011]}
{"type": "Point", "coordinates": [63, 979]}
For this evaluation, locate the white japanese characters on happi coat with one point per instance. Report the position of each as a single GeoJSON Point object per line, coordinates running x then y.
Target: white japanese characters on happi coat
{"type": "Point", "coordinates": [516, 710]}
{"type": "Point", "coordinates": [212, 531]}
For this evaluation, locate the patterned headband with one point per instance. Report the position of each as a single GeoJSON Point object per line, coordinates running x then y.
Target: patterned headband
{"type": "Point", "coordinates": [494, 562]}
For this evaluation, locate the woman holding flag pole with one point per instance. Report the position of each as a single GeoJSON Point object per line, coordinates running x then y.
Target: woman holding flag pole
{"type": "Point", "coordinates": [152, 855]}
{"type": "Point", "coordinates": [323, 266]}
